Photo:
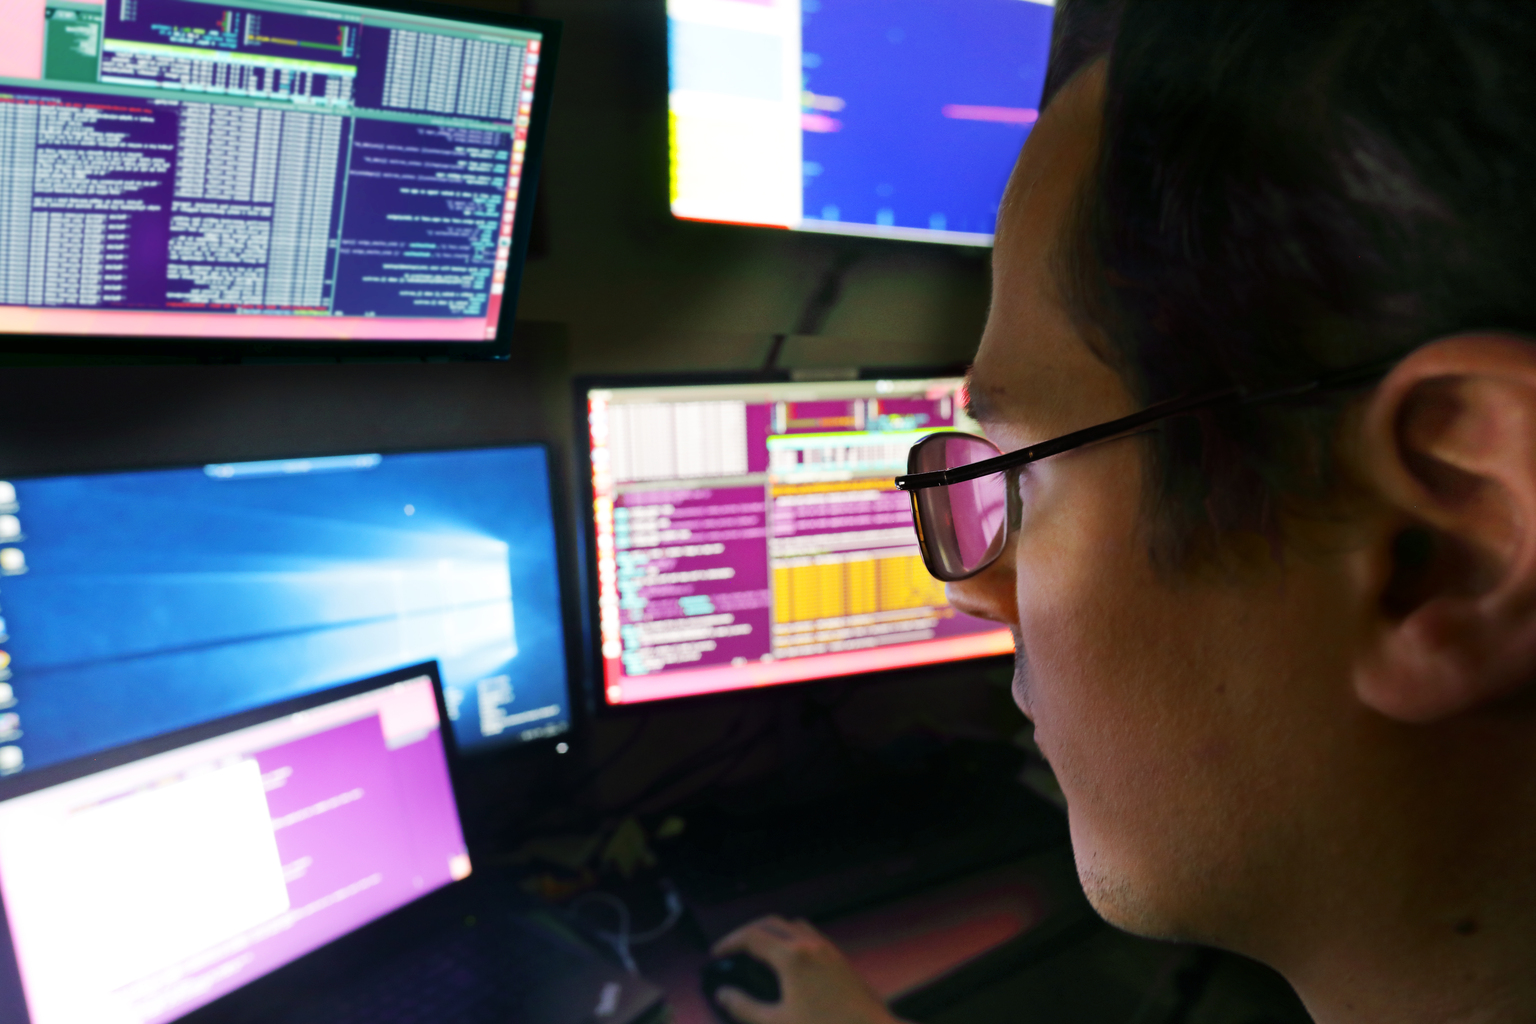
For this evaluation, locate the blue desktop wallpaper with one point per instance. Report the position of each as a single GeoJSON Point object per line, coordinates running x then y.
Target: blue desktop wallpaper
{"type": "Point", "coordinates": [151, 601]}
{"type": "Point", "coordinates": [883, 71]}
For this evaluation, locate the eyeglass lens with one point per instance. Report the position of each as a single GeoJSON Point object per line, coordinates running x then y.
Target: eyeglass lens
{"type": "Point", "coordinates": [961, 525]}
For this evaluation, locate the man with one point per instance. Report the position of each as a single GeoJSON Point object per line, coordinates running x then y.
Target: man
{"type": "Point", "coordinates": [1280, 649]}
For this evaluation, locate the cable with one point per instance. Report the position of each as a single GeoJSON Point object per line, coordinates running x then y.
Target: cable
{"type": "Point", "coordinates": [623, 940]}
{"type": "Point", "coordinates": [772, 362]}
{"type": "Point", "coordinates": [674, 904]}
{"type": "Point", "coordinates": [619, 940]}
{"type": "Point", "coordinates": [819, 306]}
{"type": "Point", "coordinates": [824, 299]}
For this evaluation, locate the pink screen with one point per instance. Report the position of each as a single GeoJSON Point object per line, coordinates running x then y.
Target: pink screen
{"type": "Point", "coordinates": [746, 538]}
{"type": "Point", "coordinates": [296, 172]}
{"type": "Point", "coordinates": [144, 891]}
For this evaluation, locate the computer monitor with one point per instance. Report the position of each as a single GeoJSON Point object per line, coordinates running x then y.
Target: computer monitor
{"type": "Point", "coordinates": [747, 534]}
{"type": "Point", "coordinates": [272, 175]}
{"type": "Point", "coordinates": [141, 884]}
{"type": "Point", "coordinates": [136, 603]}
{"type": "Point", "coordinates": [891, 118]}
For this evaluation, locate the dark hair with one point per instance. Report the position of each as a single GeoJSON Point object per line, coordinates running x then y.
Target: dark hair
{"type": "Point", "coordinates": [1082, 31]}
{"type": "Point", "coordinates": [1286, 188]}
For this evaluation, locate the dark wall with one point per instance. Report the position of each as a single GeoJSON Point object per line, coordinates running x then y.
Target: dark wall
{"type": "Point", "coordinates": [60, 419]}
{"type": "Point", "coordinates": [618, 285]}
{"type": "Point", "coordinates": [640, 290]}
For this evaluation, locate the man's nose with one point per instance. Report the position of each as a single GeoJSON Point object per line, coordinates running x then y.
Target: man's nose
{"type": "Point", "coordinates": [990, 594]}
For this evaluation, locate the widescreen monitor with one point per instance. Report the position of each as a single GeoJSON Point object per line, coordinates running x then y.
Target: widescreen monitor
{"type": "Point", "coordinates": [143, 883]}
{"type": "Point", "coordinates": [892, 118]}
{"type": "Point", "coordinates": [136, 603]}
{"type": "Point", "coordinates": [751, 534]}
{"type": "Point", "coordinates": [268, 175]}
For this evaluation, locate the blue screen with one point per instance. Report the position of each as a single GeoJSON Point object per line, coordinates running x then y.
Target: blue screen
{"type": "Point", "coordinates": [887, 118]}
{"type": "Point", "coordinates": [137, 603]}
{"type": "Point", "coordinates": [928, 104]}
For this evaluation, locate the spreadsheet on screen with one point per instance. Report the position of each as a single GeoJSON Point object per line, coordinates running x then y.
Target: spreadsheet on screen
{"type": "Point", "coordinates": [268, 169]}
{"type": "Point", "coordinates": [751, 534]}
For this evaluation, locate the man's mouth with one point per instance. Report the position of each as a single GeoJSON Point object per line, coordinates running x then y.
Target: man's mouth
{"type": "Point", "coordinates": [1021, 692]}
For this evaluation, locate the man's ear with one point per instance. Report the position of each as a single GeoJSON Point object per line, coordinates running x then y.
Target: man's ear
{"type": "Point", "coordinates": [1449, 440]}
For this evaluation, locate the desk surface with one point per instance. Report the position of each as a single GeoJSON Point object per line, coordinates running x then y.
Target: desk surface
{"type": "Point", "coordinates": [911, 942]}
{"type": "Point", "coordinates": [1015, 942]}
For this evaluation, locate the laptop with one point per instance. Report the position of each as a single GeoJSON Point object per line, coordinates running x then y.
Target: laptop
{"type": "Point", "coordinates": [303, 861]}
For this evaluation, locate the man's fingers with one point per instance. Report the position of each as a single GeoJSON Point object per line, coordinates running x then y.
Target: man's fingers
{"type": "Point", "coordinates": [803, 929]}
{"type": "Point", "coordinates": [771, 927]}
{"type": "Point", "coordinates": [746, 1009]}
{"type": "Point", "coordinates": [773, 948]}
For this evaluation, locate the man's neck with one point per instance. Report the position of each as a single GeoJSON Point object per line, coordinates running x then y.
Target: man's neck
{"type": "Point", "coordinates": [1474, 983]}
{"type": "Point", "coordinates": [1430, 911]}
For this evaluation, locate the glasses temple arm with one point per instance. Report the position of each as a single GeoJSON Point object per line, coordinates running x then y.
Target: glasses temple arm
{"type": "Point", "coordinates": [1162, 410]}
{"type": "Point", "coordinates": [1065, 443]}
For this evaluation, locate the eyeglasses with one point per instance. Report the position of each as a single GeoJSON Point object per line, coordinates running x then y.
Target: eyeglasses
{"type": "Point", "coordinates": [965, 491]}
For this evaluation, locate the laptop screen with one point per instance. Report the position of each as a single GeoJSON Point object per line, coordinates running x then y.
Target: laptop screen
{"type": "Point", "coordinates": [133, 604]}
{"type": "Point", "coordinates": [141, 885]}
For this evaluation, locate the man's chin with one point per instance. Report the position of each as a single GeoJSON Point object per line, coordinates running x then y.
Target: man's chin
{"type": "Point", "coordinates": [1118, 902]}
{"type": "Point", "coordinates": [1119, 885]}
{"type": "Point", "coordinates": [1132, 906]}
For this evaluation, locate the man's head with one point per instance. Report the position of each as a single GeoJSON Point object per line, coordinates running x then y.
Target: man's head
{"type": "Point", "coordinates": [1279, 655]}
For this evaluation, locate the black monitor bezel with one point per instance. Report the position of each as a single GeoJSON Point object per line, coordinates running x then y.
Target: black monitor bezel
{"type": "Point", "coordinates": [78, 767]}
{"type": "Point", "coordinates": [597, 703]}
{"type": "Point", "coordinates": [223, 350]}
{"type": "Point", "coordinates": [461, 761]}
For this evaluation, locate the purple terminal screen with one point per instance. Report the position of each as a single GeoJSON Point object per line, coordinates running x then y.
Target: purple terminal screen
{"type": "Point", "coordinates": [184, 875]}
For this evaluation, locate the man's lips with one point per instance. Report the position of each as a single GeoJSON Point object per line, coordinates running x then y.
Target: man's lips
{"type": "Point", "coordinates": [1021, 692]}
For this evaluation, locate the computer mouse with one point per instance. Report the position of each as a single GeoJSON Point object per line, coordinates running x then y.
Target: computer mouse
{"type": "Point", "coordinates": [743, 971]}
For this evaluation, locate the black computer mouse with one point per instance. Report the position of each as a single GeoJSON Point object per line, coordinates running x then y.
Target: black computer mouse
{"type": "Point", "coordinates": [743, 971]}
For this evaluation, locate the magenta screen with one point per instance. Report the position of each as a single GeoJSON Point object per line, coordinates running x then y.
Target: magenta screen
{"type": "Point", "coordinates": [182, 876]}
{"type": "Point", "coordinates": [752, 535]}
{"type": "Point", "coordinates": [292, 170]}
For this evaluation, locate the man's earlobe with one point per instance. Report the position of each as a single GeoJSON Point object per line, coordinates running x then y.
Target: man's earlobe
{"type": "Point", "coordinates": [1449, 440]}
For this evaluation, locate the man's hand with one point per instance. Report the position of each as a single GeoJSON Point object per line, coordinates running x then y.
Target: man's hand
{"type": "Point", "coordinates": [819, 986]}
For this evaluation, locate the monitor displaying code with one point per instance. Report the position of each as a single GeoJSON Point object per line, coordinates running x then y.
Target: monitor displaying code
{"type": "Point", "coordinates": [200, 866]}
{"type": "Point", "coordinates": [891, 118]}
{"type": "Point", "coordinates": [294, 171]}
{"type": "Point", "coordinates": [134, 604]}
{"type": "Point", "coordinates": [752, 534]}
